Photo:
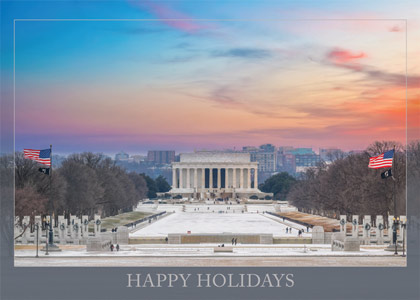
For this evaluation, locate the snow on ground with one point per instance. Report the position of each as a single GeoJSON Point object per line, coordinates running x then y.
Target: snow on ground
{"type": "Point", "coordinates": [207, 250]}
{"type": "Point", "coordinates": [199, 223]}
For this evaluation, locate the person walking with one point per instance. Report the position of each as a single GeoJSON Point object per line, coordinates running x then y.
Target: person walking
{"type": "Point", "coordinates": [287, 229]}
{"type": "Point", "coordinates": [233, 241]}
{"type": "Point", "coordinates": [290, 230]}
{"type": "Point", "coordinates": [236, 240]}
{"type": "Point", "coordinates": [111, 247]}
{"type": "Point", "coordinates": [117, 247]}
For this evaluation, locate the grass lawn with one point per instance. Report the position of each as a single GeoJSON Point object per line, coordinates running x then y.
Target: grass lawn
{"type": "Point", "coordinates": [122, 219]}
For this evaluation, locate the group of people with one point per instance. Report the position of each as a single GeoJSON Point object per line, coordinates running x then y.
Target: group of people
{"type": "Point", "coordinates": [117, 247]}
{"type": "Point", "coordinates": [300, 231]}
{"type": "Point", "coordinates": [234, 241]}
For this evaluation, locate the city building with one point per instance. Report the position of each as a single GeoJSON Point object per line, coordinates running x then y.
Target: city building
{"type": "Point", "coordinates": [121, 156]}
{"type": "Point", "coordinates": [161, 157]}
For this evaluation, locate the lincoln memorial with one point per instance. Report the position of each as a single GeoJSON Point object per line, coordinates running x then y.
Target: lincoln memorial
{"type": "Point", "coordinates": [215, 174]}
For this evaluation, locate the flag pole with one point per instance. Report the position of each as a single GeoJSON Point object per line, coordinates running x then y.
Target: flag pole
{"type": "Point", "coordinates": [393, 192]}
{"type": "Point", "coordinates": [51, 233]}
{"type": "Point", "coordinates": [395, 206]}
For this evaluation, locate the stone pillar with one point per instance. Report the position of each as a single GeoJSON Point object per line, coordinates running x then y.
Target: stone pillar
{"type": "Point", "coordinates": [390, 223]}
{"type": "Point", "coordinates": [72, 226]}
{"type": "Point", "coordinates": [181, 183]}
{"type": "Point", "coordinates": [234, 178]}
{"type": "Point", "coordinates": [367, 225]}
{"type": "Point", "coordinates": [196, 178]}
{"type": "Point", "coordinates": [210, 178]}
{"type": "Point", "coordinates": [188, 178]}
{"type": "Point", "coordinates": [122, 235]}
{"type": "Point", "coordinates": [226, 178]}
{"type": "Point", "coordinates": [38, 221]}
{"type": "Point", "coordinates": [76, 229]}
{"type": "Point", "coordinates": [255, 178]}
{"type": "Point", "coordinates": [380, 229]}
{"type": "Point", "coordinates": [85, 226]}
{"type": "Point", "coordinates": [355, 226]}
{"type": "Point", "coordinates": [62, 226]}
{"type": "Point", "coordinates": [400, 232]}
{"type": "Point", "coordinates": [25, 223]}
{"type": "Point", "coordinates": [318, 235]}
{"type": "Point", "coordinates": [174, 185]}
{"type": "Point", "coordinates": [219, 178]}
{"type": "Point", "coordinates": [343, 222]}
{"type": "Point", "coordinates": [249, 178]}
{"type": "Point", "coordinates": [97, 226]}
{"type": "Point", "coordinates": [203, 178]}
{"type": "Point", "coordinates": [242, 178]}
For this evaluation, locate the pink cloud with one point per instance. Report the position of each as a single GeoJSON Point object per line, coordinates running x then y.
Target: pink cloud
{"type": "Point", "coordinates": [341, 56]}
{"type": "Point", "coordinates": [346, 59]}
{"type": "Point", "coordinates": [395, 29]}
{"type": "Point", "coordinates": [169, 16]}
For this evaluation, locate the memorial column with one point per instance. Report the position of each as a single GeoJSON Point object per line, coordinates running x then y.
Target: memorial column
{"type": "Point", "coordinates": [219, 178]}
{"type": "Point", "coordinates": [188, 178]}
{"type": "Point", "coordinates": [234, 177]}
{"type": "Point", "coordinates": [203, 178]}
{"type": "Point", "coordinates": [195, 178]}
{"type": "Point", "coordinates": [249, 178]}
{"type": "Point", "coordinates": [210, 178]}
{"type": "Point", "coordinates": [242, 178]}
{"type": "Point", "coordinates": [174, 185]}
{"type": "Point", "coordinates": [255, 178]}
{"type": "Point", "coordinates": [181, 185]}
{"type": "Point", "coordinates": [226, 177]}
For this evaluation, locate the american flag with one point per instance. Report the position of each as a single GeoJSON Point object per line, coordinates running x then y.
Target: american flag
{"type": "Point", "coordinates": [41, 156]}
{"type": "Point", "coordinates": [381, 161]}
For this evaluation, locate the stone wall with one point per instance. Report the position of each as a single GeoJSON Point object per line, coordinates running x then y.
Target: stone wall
{"type": "Point", "coordinates": [220, 238]}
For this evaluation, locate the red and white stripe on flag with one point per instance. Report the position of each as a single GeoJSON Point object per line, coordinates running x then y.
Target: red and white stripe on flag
{"type": "Point", "coordinates": [379, 161]}
{"type": "Point", "coordinates": [34, 155]}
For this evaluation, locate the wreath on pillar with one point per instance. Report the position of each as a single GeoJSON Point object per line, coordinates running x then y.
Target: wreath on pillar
{"type": "Point", "coordinates": [62, 227]}
{"type": "Point", "coordinates": [381, 226]}
{"type": "Point", "coordinates": [342, 221]}
{"type": "Point", "coordinates": [86, 222]}
{"type": "Point", "coordinates": [76, 227]}
{"type": "Point", "coordinates": [367, 226]}
{"type": "Point", "coordinates": [98, 222]}
{"type": "Point", "coordinates": [354, 222]}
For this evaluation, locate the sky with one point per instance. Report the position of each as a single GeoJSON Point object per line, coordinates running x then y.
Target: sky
{"type": "Point", "coordinates": [183, 76]}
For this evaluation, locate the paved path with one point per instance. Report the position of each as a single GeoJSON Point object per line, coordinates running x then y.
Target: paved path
{"type": "Point", "coordinates": [388, 261]}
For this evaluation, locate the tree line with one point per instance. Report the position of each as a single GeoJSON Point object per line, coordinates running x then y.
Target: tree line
{"type": "Point", "coordinates": [84, 184]}
{"type": "Point", "coordinates": [348, 186]}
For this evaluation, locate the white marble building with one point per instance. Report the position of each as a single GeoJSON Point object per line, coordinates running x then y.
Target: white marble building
{"type": "Point", "coordinates": [215, 174]}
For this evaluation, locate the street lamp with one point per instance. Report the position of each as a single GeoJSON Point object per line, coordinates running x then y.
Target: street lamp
{"type": "Point", "coordinates": [37, 236]}
{"type": "Point", "coordinates": [404, 226]}
{"type": "Point", "coordinates": [46, 235]}
{"type": "Point", "coordinates": [394, 237]}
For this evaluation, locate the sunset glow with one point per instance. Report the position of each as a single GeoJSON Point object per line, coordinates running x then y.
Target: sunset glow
{"type": "Point", "coordinates": [198, 83]}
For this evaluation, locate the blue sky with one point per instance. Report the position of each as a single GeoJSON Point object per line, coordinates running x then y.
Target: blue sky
{"type": "Point", "coordinates": [224, 74]}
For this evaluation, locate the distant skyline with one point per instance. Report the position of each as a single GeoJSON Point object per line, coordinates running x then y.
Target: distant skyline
{"type": "Point", "coordinates": [197, 84]}
{"type": "Point", "coordinates": [144, 153]}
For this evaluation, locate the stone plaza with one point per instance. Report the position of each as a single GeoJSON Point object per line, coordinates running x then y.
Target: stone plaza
{"type": "Point", "coordinates": [192, 233]}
